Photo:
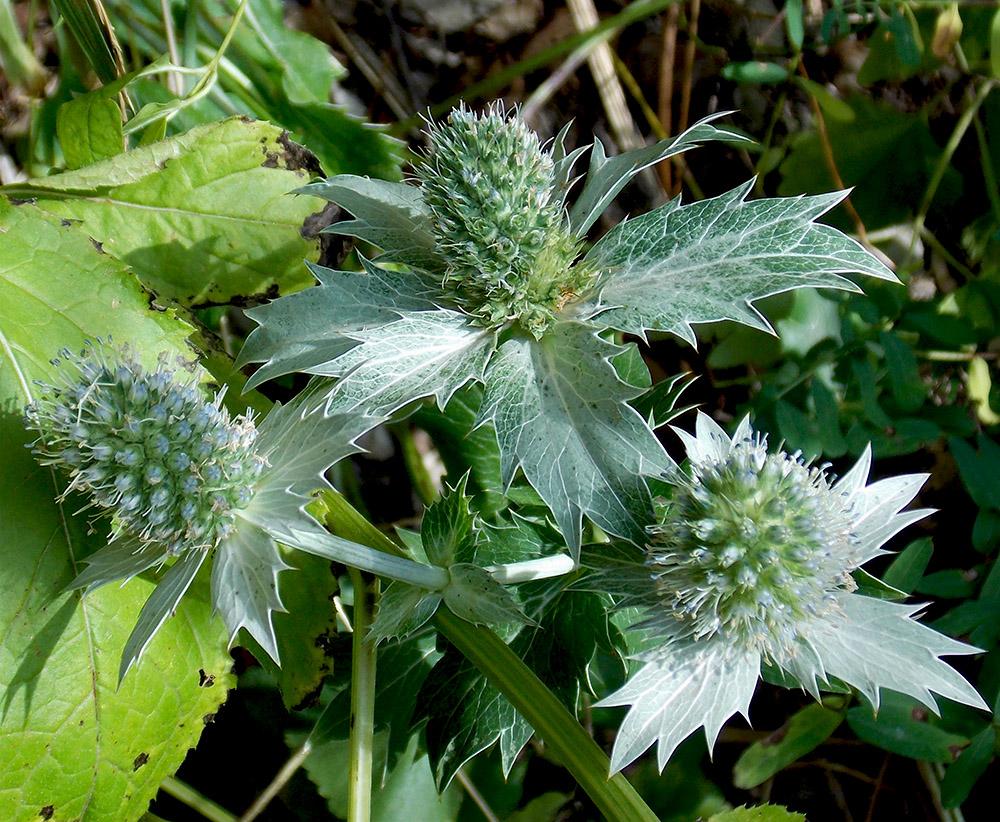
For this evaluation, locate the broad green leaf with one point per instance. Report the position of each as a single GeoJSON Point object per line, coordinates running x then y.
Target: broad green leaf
{"type": "Point", "coordinates": [447, 530]}
{"type": "Point", "coordinates": [89, 130]}
{"type": "Point", "coordinates": [902, 727]}
{"type": "Point", "coordinates": [710, 260]}
{"type": "Point", "coordinates": [807, 728]}
{"type": "Point", "coordinates": [908, 566]}
{"type": "Point", "coordinates": [392, 216]}
{"type": "Point", "coordinates": [978, 469]}
{"type": "Point", "coordinates": [971, 764]}
{"type": "Point", "coordinates": [466, 715]}
{"type": "Point", "coordinates": [561, 414]}
{"type": "Point", "coordinates": [303, 630]}
{"type": "Point", "coordinates": [202, 218]}
{"type": "Point", "coordinates": [609, 175]}
{"type": "Point", "coordinates": [70, 739]}
{"type": "Point", "coordinates": [760, 813]}
{"type": "Point", "coordinates": [307, 331]}
{"type": "Point", "coordinates": [408, 791]}
{"type": "Point", "coordinates": [422, 354]}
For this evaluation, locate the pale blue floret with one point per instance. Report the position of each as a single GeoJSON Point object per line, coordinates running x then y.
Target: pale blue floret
{"type": "Point", "coordinates": [725, 598]}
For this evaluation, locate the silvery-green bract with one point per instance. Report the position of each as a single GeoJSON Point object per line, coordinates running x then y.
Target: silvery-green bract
{"type": "Point", "coordinates": [477, 281]}
{"type": "Point", "coordinates": [751, 564]}
{"type": "Point", "coordinates": [179, 478]}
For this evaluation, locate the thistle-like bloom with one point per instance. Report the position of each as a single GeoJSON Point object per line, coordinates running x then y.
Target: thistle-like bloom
{"type": "Point", "coordinates": [180, 479]}
{"type": "Point", "coordinates": [751, 563]}
{"type": "Point", "coordinates": [498, 222]}
{"type": "Point", "coordinates": [478, 281]}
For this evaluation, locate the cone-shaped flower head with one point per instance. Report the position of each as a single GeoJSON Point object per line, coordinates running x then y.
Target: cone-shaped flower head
{"type": "Point", "coordinates": [171, 468]}
{"type": "Point", "coordinates": [751, 563]}
{"type": "Point", "coordinates": [503, 235]}
{"type": "Point", "coordinates": [180, 478]}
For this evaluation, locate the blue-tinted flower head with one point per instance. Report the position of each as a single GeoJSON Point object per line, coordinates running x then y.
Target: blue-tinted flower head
{"type": "Point", "coordinates": [168, 466]}
{"type": "Point", "coordinates": [751, 564]}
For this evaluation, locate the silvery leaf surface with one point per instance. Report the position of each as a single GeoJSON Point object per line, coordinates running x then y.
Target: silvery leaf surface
{"type": "Point", "coordinates": [402, 609]}
{"type": "Point", "coordinates": [392, 216]}
{"type": "Point", "coordinates": [875, 644]}
{"type": "Point", "coordinates": [307, 331]}
{"type": "Point", "coordinates": [118, 561]}
{"type": "Point", "coordinates": [473, 595]}
{"type": "Point", "coordinates": [681, 687]}
{"type": "Point", "coordinates": [709, 260]}
{"type": "Point", "coordinates": [561, 413]}
{"type": "Point", "coordinates": [422, 354]}
{"type": "Point", "coordinates": [245, 585]}
{"type": "Point", "coordinates": [609, 175]}
{"type": "Point", "coordinates": [160, 605]}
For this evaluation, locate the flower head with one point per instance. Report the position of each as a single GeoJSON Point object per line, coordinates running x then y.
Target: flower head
{"type": "Point", "coordinates": [751, 563]}
{"type": "Point", "coordinates": [171, 468]}
{"type": "Point", "coordinates": [498, 225]}
{"type": "Point", "coordinates": [183, 481]}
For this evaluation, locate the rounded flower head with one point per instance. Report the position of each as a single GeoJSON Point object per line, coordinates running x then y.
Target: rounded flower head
{"type": "Point", "coordinates": [752, 546]}
{"type": "Point", "coordinates": [170, 468]}
{"type": "Point", "coordinates": [505, 240]}
{"type": "Point", "coordinates": [751, 564]}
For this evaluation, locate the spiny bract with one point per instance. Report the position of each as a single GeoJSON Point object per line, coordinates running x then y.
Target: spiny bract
{"type": "Point", "coordinates": [504, 238]}
{"type": "Point", "coordinates": [170, 467]}
{"type": "Point", "coordinates": [751, 564]}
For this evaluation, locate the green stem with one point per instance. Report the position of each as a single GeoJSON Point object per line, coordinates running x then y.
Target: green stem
{"type": "Point", "coordinates": [555, 725]}
{"type": "Point", "coordinates": [944, 161]}
{"type": "Point", "coordinates": [423, 482]}
{"type": "Point", "coordinates": [359, 785]}
{"type": "Point", "coordinates": [183, 792]}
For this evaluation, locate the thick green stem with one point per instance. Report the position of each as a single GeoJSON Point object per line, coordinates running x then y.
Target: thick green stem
{"type": "Point", "coordinates": [555, 725]}
{"type": "Point", "coordinates": [359, 786]}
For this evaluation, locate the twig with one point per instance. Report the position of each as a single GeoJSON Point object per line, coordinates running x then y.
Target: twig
{"type": "Point", "coordinates": [476, 796]}
{"type": "Point", "coordinates": [174, 81]}
{"type": "Point", "coordinates": [608, 86]}
{"type": "Point", "coordinates": [281, 779]}
{"type": "Point", "coordinates": [665, 96]}
{"type": "Point", "coordinates": [195, 800]}
{"type": "Point", "coordinates": [689, 52]}
{"type": "Point", "coordinates": [877, 789]}
{"type": "Point", "coordinates": [831, 163]}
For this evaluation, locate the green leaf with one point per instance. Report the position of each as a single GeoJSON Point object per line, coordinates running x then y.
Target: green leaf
{"type": "Point", "coordinates": [308, 331]}
{"type": "Point", "coordinates": [402, 609]}
{"type": "Point", "coordinates": [473, 595]}
{"type": "Point", "coordinates": [907, 568]}
{"type": "Point", "coordinates": [408, 791]}
{"type": "Point", "coordinates": [971, 764]}
{"type": "Point", "coordinates": [69, 738]}
{"type": "Point", "coordinates": [760, 813]}
{"type": "Point", "coordinates": [203, 218]}
{"type": "Point", "coordinates": [709, 261]}
{"type": "Point", "coordinates": [391, 216]}
{"type": "Point", "coordinates": [92, 34]}
{"type": "Point", "coordinates": [465, 715]}
{"type": "Point", "coordinates": [561, 414]}
{"type": "Point", "coordinates": [793, 23]}
{"type": "Point", "coordinates": [755, 73]}
{"type": "Point", "coordinates": [303, 630]}
{"type": "Point", "coordinates": [809, 727]}
{"type": "Point", "coordinates": [89, 129]}
{"type": "Point", "coordinates": [422, 354]}
{"type": "Point", "coordinates": [465, 449]}
{"type": "Point", "coordinates": [609, 175]}
{"type": "Point", "coordinates": [541, 809]}
{"type": "Point", "coordinates": [448, 528]}
{"type": "Point", "coordinates": [902, 727]}
{"type": "Point", "coordinates": [995, 45]}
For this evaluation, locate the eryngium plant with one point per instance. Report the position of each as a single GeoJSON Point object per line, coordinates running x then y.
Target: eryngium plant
{"type": "Point", "coordinates": [481, 279]}
{"type": "Point", "coordinates": [180, 479]}
{"type": "Point", "coordinates": [751, 563]}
